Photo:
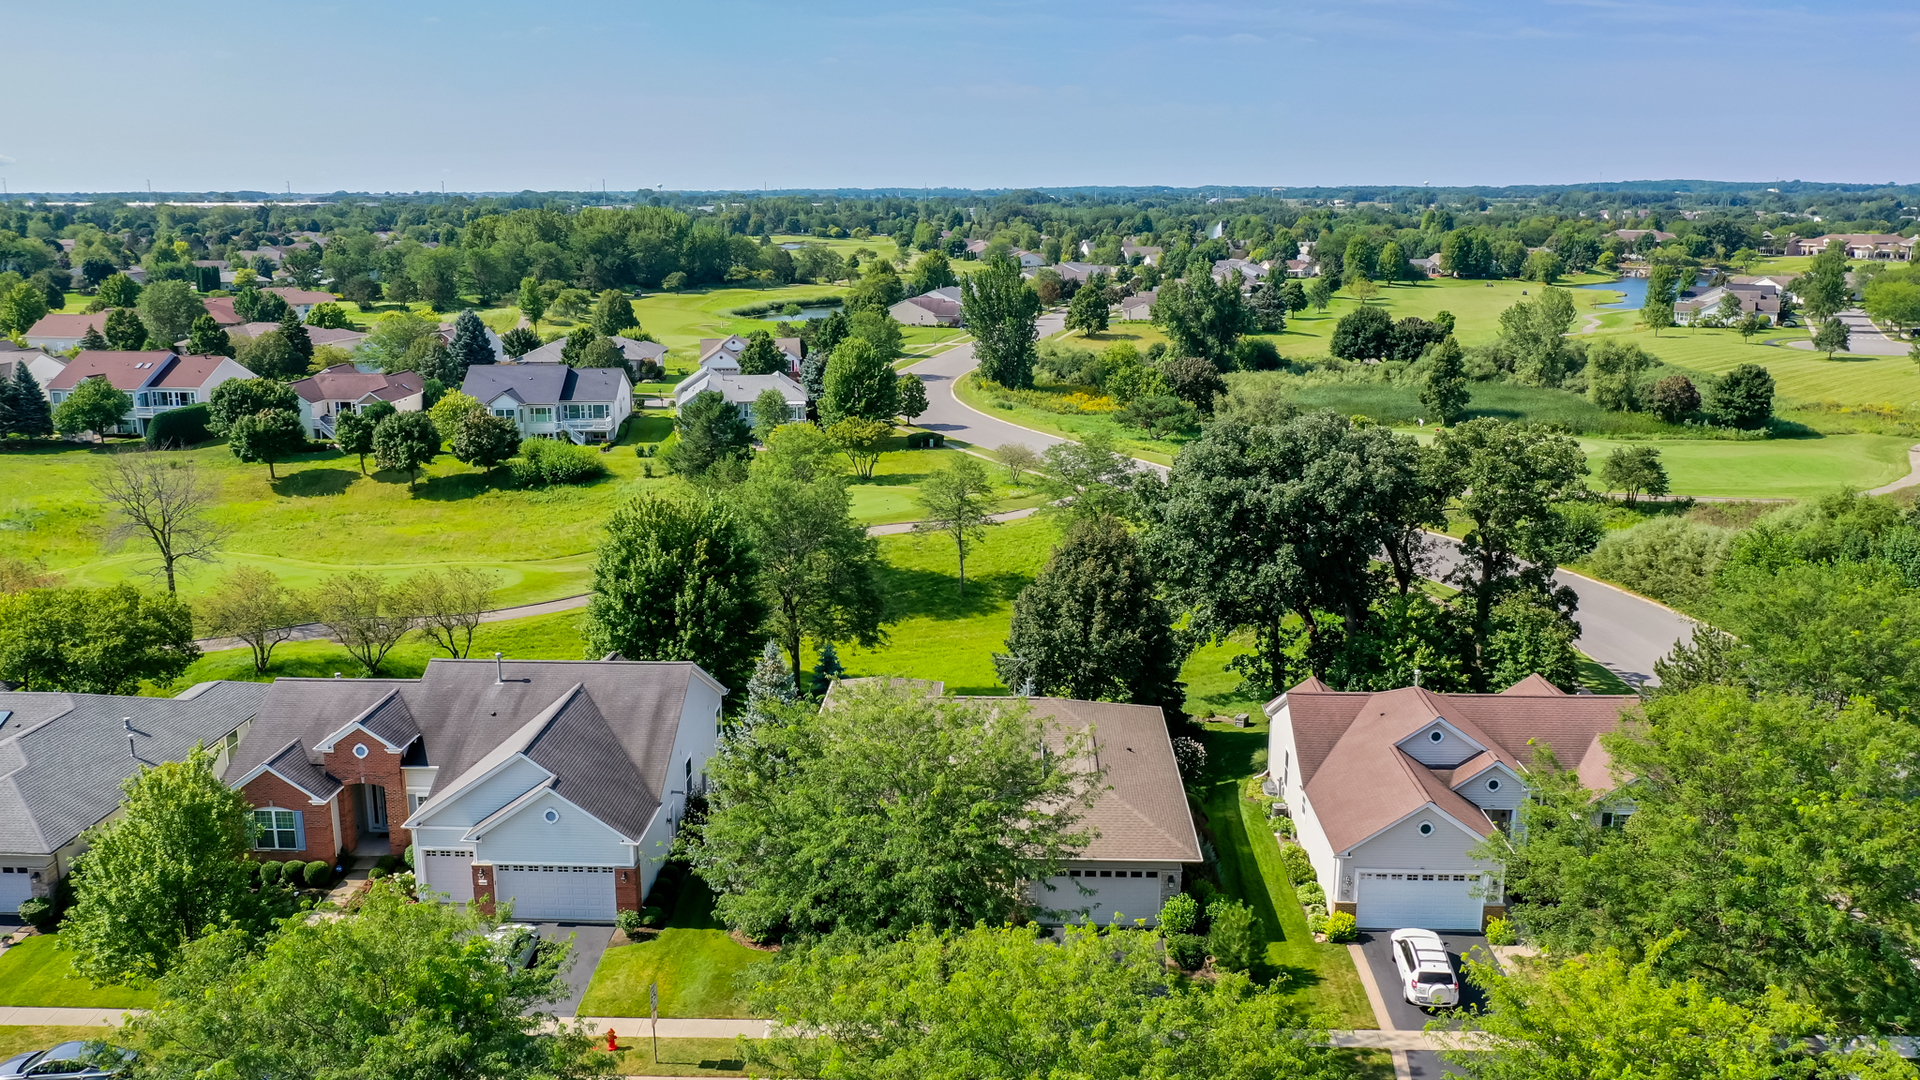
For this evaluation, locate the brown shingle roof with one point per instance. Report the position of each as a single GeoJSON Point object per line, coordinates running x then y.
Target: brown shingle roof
{"type": "Point", "coordinates": [67, 325]}
{"type": "Point", "coordinates": [125, 370]}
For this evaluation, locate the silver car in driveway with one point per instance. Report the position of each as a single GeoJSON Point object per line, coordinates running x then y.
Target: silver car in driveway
{"type": "Point", "coordinates": [1426, 971]}
{"type": "Point", "coordinates": [68, 1061]}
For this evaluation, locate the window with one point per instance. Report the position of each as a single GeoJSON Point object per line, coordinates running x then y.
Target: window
{"type": "Point", "coordinates": [1614, 819]}
{"type": "Point", "coordinates": [1426, 828]}
{"type": "Point", "coordinates": [506, 414]}
{"type": "Point", "coordinates": [278, 830]}
{"type": "Point", "coordinates": [1493, 784]}
{"type": "Point", "coordinates": [583, 412]}
{"type": "Point", "coordinates": [1436, 735]}
{"type": "Point", "coordinates": [359, 750]}
{"type": "Point", "coordinates": [541, 414]}
{"type": "Point", "coordinates": [551, 816]}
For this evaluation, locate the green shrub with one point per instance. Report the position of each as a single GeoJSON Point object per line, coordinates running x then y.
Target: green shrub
{"type": "Point", "coordinates": [1189, 951]}
{"type": "Point", "coordinates": [1316, 922]}
{"type": "Point", "coordinates": [178, 428]}
{"type": "Point", "coordinates": [408, 856]}
{"type": "Point", "coordinates": [925, 440]}
{"type": "Point", "coordinates": [652, 917]}
{"type": "Point", "coordinates": [376, 873]}
{"type": "Point", "coordinates": [1671, 560]}
{"type": "Point", "coordinates": [1299, 866]}
{"type": "Point", "coordinates": [38, 912]}
{"type": "Point", "coordinates": [544, 462]}
{"type": "Point", "coordinates": [1341, 927]}
{"type": "Point", "coordinates": [1178, 914]}
{"type": "Point", "coordinates": [269, 873]}
{"type": "Point", "coordinates": [1235, 939]}
{"type": "Point", "coordinates": [318, 873]}
{"type": "Point", "coordinates": [628, 922]}
{"type": "Point", "coordinates": [1500, 932]}
{"type": "Point", "coordinates": [1311, 893]}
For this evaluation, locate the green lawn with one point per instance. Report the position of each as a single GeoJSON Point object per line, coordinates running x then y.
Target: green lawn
{"type": "Point", "coordinates": [889, 496]}
{"type": "Point", "coordinates": [1771, 468]}
{"type": "Point", "coordinates": [676, 1057]}
{"type": "Point", "coordinates": [1073, 426]}
{"type": "Point", "coordinates": [37, 973]}
{"type": "Point", "coordinates": [20, 1039]}
{"type": "Point", "coordinates": [693, 960]}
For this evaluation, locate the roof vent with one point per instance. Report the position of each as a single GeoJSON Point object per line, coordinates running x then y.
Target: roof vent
{"type": "Point", "coordinates": [499, 671]}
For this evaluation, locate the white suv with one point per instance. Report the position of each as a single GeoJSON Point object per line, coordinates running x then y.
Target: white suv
{"type": "Point", "coordinates": [1426, 972]}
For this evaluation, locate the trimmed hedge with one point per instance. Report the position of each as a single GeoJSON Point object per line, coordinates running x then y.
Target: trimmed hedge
{"type": "Point", "coordinates": [1299, 866]}
{"type": "Point", "coordinates": [177, 428]}
{"type": "Point", "coordinates": [1342, 927]}
{"type": "Point", "coordinates": [318, 873]}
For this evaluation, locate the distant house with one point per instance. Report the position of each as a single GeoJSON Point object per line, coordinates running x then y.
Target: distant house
{"type": "Point", "coordinates": [1633, 235]}
{"type": "Point", "coordinates": [1306, 268]}
{"type": "Point", "coordinates": [493, 340]}
{"type": "Point", "coordinates": [1138, 307]}
{"type": "Point", "coordinates": [976, 247]}
{"type": "Point", "coordinates": [938, 307]}
{"type": "Point", "coordinates": [1029, 260]}
{"type": "Point", "coordinates": [1872, 247]}
{"type": "Point", "coordinates": [1761, 298]}
{"type": "Point", "coordinates": [319, 335]}
{"type": "Point", "coordinates": [221, 308]}
{"type": "Point", "coordinates": [1149, 255]}
{"type": "Point", "coordinates": [41, 366]}
{"type": "Point", "coordinates": [63, 758]}
{"type": "Point", "coordinates": [723, 354]}
{"type": "Point", "coordinates": [741, 391]}
{"type": "Point", "coordinates": [1249, 271]}
{"type": "Point", "coordinates": [636, 352]}
{"type": "Point", "coordinates": [157, 380]}
{"type": "Point", "coordinates": [300, 300]}
{"type": "Point", "coordinates": [344, 388]}
{"type": "Point", "coordinates": [553, 401]}
{"type": "Point", "coordinates": [1081, 271]}
{"type": "Point", "coordinates": [1430, 265]}
{"type": "Point", "coordinates": [60, 332]}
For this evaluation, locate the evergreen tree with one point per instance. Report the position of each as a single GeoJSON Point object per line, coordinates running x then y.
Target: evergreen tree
{"type": "Point", "coordinates": [206, 338]}
{"type": "Point", "coordinates": [710, 431]}
{"type": "Point", "coordinates": [468, 347]}
{"type": "Point", "coordinates": [1443, 392]}
{"type": "Point", "coordinates": [28, 412]}
{"type": "Point", "coordinates": [772, 685]}
{"type": "Point", "coordinates": [93, 340]}
{"type": "Point", "coordinates": [292, 329]}
{"type": "Point", "coordinates": [520, 341]}
{"type": "Point", "coordinates": [580, 346]}
{"type": "Point", "coordinates": [125, 331]}
{"type": "Point", "coordinates": [1091, 625]}
{"type": "Point", "coordinates": [1269, 307]}
{"type": "Point", "coordinates": [827, 669]}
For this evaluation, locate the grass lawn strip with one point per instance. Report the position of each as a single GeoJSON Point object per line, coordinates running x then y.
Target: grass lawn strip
{"type": "Point", "coordinates": [19, 1039]}
{"type": "Point", "coordinates": [678, 1057]}
{"type": "Point", "coordinates": [37, 973]}
{"type": "Point", "coordinates": [693, 960]}
{"type": "Point", "coordinates": [1127, 440]}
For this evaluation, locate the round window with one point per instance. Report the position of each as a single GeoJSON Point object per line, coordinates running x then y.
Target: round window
{"type": "Point", "coordinates": [359, 749]}
{"type": "Point", "coordinates": [1436, 735]}
{"type": "Point", "coordinates": [552, 815]}
{"type": "Point", "coordinates": [1493, 784]}
{"type": "Point", "coordinates": [1426, 828]}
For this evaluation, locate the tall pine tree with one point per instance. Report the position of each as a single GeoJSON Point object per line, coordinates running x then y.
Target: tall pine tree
{"type": "Point", "coordinates": [296, 334]}
{"type": "Point", "coordinates": [26, 409]}
{"type": "Point", "coordinates": [468, 347]}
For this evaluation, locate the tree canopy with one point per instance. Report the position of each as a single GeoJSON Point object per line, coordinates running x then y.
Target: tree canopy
{"type": "Point", "coordinates": [1001, 313]}
{"type": "Point", "coordinates": [94, 641]}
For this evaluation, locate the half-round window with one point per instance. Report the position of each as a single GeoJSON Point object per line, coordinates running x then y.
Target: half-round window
{"type": "Point", "coordinates": [551, 816]}
{"type": "Point", "coordinates": [1426, 828]}
{"type": "Point", "coordinates": [1493, 784]}
{"type": "Point", "coordinates": [360, 749]}
{"type": "Point", "coordinates": [1436, 735]}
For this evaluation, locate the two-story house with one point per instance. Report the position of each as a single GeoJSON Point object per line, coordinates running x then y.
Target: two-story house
{"type": "Point", "coordinates": [344, 388]}
{"type": "Point", "coordinates": [558, 785]}
{"type": "Point", "coordinates": [1391, 792]}
{"type": "Point", "coordinates": [156, 379]}
{"type": "Point", "coordinates": [554, 401]}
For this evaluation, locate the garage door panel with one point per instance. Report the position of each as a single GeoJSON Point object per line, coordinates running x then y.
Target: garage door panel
{"type": "Point", "coordinates": [451, 873]}
{"type": "Point", "coordinates": [16, 887]}
{"type": "Point", "coordinates": [1392, 899]}
{"type": "Point", "coordinates": [557, 893]}
{"type": "Point", "coordinates": [1119, 899]}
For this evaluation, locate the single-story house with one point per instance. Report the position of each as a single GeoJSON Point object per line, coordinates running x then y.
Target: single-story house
{"type": "Point", "coordinates": [300, 300]}
{"type": "Point", "coordinates": [976, 248]}
{"type": "Point", "coordinates": [636, 352]}
{"type": "Point", "coordinates": [556, 785]}
{"type": "Point", "coordinates": [1428, 265]}
{"type": "Point", "coordinates": [158, 380]}
{"type": "Point", "coordinates": [1144, 834]}
{"type": "Point", "coordinates": [1029, 260]}
{"type": "Point", "coordinates": [1081, 271]}
{"type": "Point", "coordinates": [742, 391]}
{"type": "Point", "coordinates": [64, 756]}
{"type": "Point", "coordinates": [1764, 299]}
{"type": "Point", "coordinates": [1882, 247]}
{"type": "Point", "coordinates": [62, 331]}
{"type": "Point", "coordinates": [1138, 307]}
{"type": "Point", "coordinates": [1633, 235]}
{"type": "Point", "coordinates": [1306, 268]}
{"type": "Point", "coordinates": [554, 401]}
{"type": "Point", "coordinates": [1250, 271]}
{"type": "Point", "coordinates": [936, 307]}
{"type": "Point", "coordinates": [493, 340]}
{"type": "Point", "coordinates": [1149, 254]}
{"type": "Point", "coordinates": [221, 308]}
{"type": "Point", "coordinates": [1390, 792]}
{"type": "Point", "coordinates": [723, 354]}
{"type": "Point", "coordinates": [43, 367]}
{"type": "Point", "coordinates": [318, 335]}
{"type": "Point", "coordinates": [344, 388]}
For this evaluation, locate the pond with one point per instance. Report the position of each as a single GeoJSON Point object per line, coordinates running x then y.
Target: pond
{"type": "Point", "coordinates": [805, 313]}
{"type": "Point", "coordinates": [1635, 289]}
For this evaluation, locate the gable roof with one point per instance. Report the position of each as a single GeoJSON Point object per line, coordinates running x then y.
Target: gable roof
{"type": "Point", "coordinates": [344, 382]}
{"type": "Point", "coordinates": [578, 719]}
{"type": "Point", "coordinates": [538, 384]}
{"type": "Point", "coordinates": [733, 345]}
{"type": "Point", "coordinates": [190, 372]}
{"type": "Point", "coordinates": [1359, 780]}
{"type": "Point", "coordinates": [125, 370]}
{"type": "Point", "coordinates": [299, 296]}
{"type": "Point", "coordinates": [221, 308]}
{"type": "Point", "coordinates": [740, 389]}
{"type": "Point", "coordinates": [633, 350]}
{"type": "Point", "coordinates": [68, 325]}
{"type": "Point", "coordinates": [64, 756]}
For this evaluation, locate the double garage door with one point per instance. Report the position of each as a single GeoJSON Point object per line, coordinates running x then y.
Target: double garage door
{"type": "Point", "coordinates": [1395, 899]}
{"type": "Point", "coordinates": [557, 893]}
{"type": "Point", "coordinates": [1119, 896]}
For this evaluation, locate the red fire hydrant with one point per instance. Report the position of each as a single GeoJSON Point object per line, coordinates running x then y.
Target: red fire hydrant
{"type": "Point", "coordinates": [613, 1047]}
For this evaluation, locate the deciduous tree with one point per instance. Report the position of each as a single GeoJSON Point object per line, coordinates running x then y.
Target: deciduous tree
{"type": "Point", "coordinates": [1741, 398]}
{"type": "Point", "coordinates": [613, 313]}
{"type": "Point", "coordinates": [1443, 389]}
{"type": "Point", "coordinates": [676, 580]}
{"type": "Point", "coordinates": [1634, 470]}
{"type": "Point", "coordinates": [860, 384]}
{"type": "Point", "coordinates": [207, 339]}
{"type": "Point", "coordinates": [94, 641]}
{"type": "Point", "coordinates": [1674, 398]}
{"type": "Point", "coordinates": [1088, 312]}
{"type": "Point", "coordinates": [269, 436]}
{"type": "Point", "coordinates": [762, 356]}
{"type": "Point", "coordinates": [162, 499]}
{"type": "Point", "coordinates": [710, 432]}
{"type": "Point", "coordinates": [1203, 317]}
{"type": "Point", "coordinates": [912, 395]}
{"type": "Point", "coordinates": [124, 330]}
{"type": "Point", "coordinates": [255, 606]}
{"type": "Point", "coordinates": [364, 612]}
{"type": "Point", "coordinates": [1613, 371]}
{"type": "Point", "coordinates": [168, 309]}
{"type": "Point", "coordinates": [958, 502]}
{"type": "Point", "coordinates": [1001, 312]}
{"type": "Point", "coordinates": [406, 441]}
{"type": "Point", "coordinates": [1832, 337]}
{"type": "Point", "coordinates": [94, 405]}
{"type": "Point", "coordinates": [446, 604]}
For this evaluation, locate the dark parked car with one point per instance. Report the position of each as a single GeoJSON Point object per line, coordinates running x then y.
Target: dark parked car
{"type": "Point", "coordinates": [68, 1061]}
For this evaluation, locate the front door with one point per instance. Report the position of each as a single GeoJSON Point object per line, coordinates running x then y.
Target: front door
{"type": "Point", "coordinates": [374, 799]}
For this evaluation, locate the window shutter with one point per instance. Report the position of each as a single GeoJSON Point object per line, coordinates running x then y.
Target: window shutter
{"type": "Point", "coordinates": [299, 831]}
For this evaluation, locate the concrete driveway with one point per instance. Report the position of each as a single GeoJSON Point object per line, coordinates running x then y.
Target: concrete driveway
{"type": "Point", "coordinates": [1376, 947]}
{"type": "Point", "coordinates": [589, 942]}
{"type": "Point", "coordinates": [1426, 1065]}
{"type": "Point", "coordinates": [1863, 338]}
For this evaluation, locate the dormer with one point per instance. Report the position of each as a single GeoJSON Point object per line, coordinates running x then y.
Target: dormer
{"type": "Point", "coordinates": [1440, 745]}
{"type": "Point", "coordinates": [1488, 783]}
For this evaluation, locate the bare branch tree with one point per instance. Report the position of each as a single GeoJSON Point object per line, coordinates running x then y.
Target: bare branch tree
{"type": "Point", "coordinates": [446, 605]}
{"type": "Point", "coordinates": [254, 606]}
{"type": "Point", "coordinates": [364, 615]}
{"type": "Point", "coordinates": [152, 494]}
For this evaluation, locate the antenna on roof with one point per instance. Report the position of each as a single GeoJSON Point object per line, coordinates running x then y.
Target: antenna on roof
{"type": "Point", "coordinates": [499, 670]}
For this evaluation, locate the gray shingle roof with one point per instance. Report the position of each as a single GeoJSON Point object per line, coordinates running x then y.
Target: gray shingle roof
{"type": "Point", "coordinates": [64, 756]}
{"type": "Point", "coordinates": [542, 384]}
{"type": "Point", "coordinates": [295, 768]}
{"type": "Point", "coordinates": [610, 743]}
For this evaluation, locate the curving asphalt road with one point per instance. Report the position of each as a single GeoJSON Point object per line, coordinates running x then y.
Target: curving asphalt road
{"type": "Point", "coordinates": [1621, 631]}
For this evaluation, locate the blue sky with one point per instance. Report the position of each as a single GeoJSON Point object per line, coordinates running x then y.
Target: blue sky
{"type": "Point", "coordinates": [486, 95]}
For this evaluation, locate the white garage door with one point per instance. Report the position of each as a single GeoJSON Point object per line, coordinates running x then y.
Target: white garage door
{"type": "Point", "coordinates": [557, 893]}
{"type": "Point", "coordinates": [1392, 899]}
{"type": "Point", "coordinates": [449, 872]}
{"type": "Point", "coordinates": [16, 887]}
{"type": "Point", "coordinates": [1120, 896]}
